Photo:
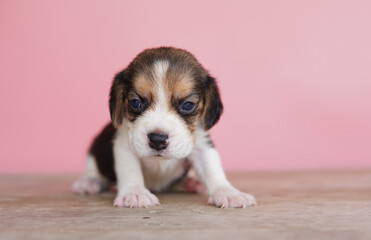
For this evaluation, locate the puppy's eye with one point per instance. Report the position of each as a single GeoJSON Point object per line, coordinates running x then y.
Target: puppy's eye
{"type": "Point", "coordinates": [187, 107]}
{"type": "Point", "coordinates": [135, 104]}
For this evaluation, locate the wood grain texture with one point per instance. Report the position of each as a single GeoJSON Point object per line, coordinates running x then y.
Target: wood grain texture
{"type": "Point", "coordinates": [292, 205]}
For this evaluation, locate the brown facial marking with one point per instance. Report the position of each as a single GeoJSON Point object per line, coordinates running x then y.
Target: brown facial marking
{"type": "Point", "coordinates": [180, 89]}
{"type": "Point", "coordinates": [183, 88]}
{"type": "Point", "coordinates": [144, 86]}
{"type": "Point", "coordinates": [182, 81]}
{"type": "Point", "coordinates": [141, 90]}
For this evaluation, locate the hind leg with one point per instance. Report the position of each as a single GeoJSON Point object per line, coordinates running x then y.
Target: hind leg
{"type": "Point", "coordinates": [92, 182]}
{"type": "Point", "coordinates": [192, 183]}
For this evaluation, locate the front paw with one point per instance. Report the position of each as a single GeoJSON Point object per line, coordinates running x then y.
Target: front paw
{"type": "Point", "coordinates": [229, 197]}
{"type": "Point", "coordinates": [134, 198]}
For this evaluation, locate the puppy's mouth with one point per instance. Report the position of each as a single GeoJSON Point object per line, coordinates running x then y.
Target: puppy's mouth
{"type": "Point", "coordinates": [159, 154]}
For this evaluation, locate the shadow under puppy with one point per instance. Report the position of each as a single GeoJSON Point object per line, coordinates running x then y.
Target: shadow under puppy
{"type": "Point", "coordinates": [162, 106]}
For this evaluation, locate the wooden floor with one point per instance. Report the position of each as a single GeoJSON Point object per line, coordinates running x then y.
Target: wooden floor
{"type": "Point", "coordinates": [292, 205]}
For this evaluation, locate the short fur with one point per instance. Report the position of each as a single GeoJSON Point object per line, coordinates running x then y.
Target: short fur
{"type": "Point", "coordinates": [163, 91]}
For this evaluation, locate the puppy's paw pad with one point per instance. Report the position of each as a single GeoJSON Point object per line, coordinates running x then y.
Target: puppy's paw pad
{"type": "Point", "coordinates": [89, 185]}
{"type": "Point", "coordinates": [135, 199]}
{"type": "Point", "coordinates": [231, 198]}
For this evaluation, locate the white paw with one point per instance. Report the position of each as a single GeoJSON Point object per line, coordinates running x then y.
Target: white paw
{"type": "Point", "coordinates": [89, 185]}
{"type": "Point", "coordinates": [229, 197]}
{"type": "Point", "coordinates": [139, 197]}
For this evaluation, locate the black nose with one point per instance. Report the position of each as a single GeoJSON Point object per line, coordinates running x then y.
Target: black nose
{"type": "Point", "coordinates": [158, 141]}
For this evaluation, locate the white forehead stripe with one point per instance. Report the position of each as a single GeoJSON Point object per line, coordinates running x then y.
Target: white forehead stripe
{"type": "Point", "coordinates": [160, 68]}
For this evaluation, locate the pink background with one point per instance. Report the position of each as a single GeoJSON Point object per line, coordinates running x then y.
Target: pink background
{"type": "Point", "coordinates": [295, 77]}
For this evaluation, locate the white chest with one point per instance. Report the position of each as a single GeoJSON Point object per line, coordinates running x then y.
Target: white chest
{"type": "Point", "coordinates": [158, 173]}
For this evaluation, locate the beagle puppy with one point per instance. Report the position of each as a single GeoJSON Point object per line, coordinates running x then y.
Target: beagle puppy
{"type": "Point", "coordinates": [162, 107]}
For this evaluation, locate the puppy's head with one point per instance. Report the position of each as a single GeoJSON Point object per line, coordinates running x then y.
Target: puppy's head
{"type": "Point", "coordinates": [163, 96]}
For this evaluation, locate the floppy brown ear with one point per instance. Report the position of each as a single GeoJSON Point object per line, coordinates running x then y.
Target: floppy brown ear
{"type": "Point", "coordinates": [117, 98]}
{"type": "Point", "coordinates": [213, 104]}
